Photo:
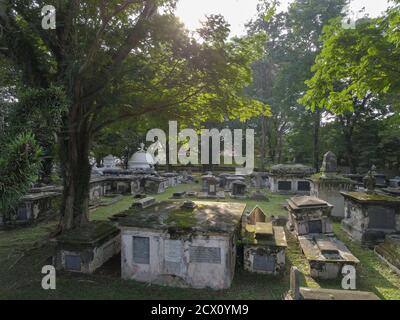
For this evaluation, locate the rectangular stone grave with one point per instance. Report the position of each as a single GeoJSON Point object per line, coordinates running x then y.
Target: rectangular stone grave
{"type": "Point", "coordinates": [326, 256]}
{"type": "Point", "coordinates": [144, 203]}
{"type": "Point", "coordinates": [389, 252]}
{"type": "Point", "coordinates": [302, 293]}
{"type": "Point", "coordinates": [87, 248]}
{"type": "Point", "coordinates": [309, 215]}
{"type": "Point", "coordinates": [187, 245]}
{"type": "Point", "coordinates": [264, 244]}
{"type": "Point", "coordinates": [369, 217]}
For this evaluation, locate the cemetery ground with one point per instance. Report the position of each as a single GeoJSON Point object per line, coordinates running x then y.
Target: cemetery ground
{"type": "Point", "coordinates": [25, 250]}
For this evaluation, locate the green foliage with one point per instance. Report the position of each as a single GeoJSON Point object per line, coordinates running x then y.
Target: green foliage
{"type": "Point", "coordinates": [290, 50]}
{"type": "Point", "coordinates": [39, 110]}
{"type": "Point", "coordinates": [19, 165]}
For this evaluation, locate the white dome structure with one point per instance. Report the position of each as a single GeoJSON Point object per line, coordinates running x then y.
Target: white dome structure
{"type": "Point", "coordinates": [141, 160]}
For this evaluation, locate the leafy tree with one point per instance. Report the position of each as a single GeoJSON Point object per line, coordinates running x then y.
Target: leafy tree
{"type": "Point", "coordinates": [40, 110]}
{"type": "Point", "coordinates": [19, 164]}
{"type": "Point", "coordinates": [353, 75]}
{"type": "Point", "coordinates": [123, 59]}
{"type": "Point", "coordinates": [292, 46]}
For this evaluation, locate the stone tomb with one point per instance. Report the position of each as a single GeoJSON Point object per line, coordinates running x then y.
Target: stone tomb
{"type": "Point", "coordinates": [179, 195]}
{"type": "Point", "coordinates": [33, 205]}
{"type": "Point", "coordinates": [259, 180]}
{"type": "Point", "coordinates": [290, 179]}
{"type": "Point", "coordinates": [369, 217]}
{"type": "Point", "coordinates": [87, 248]}
{"type": "Point", "coordinates": [97, 188]}
{"type": "Point", "coordinates": [239, 189]}
{"type": "Point", "coordinates": [264, 244]}
{"type": "Point", "coordinates": [185, 246]}
{"type": "Point", "coordinates": [326, 256]}
{"type": "Point", "coordinates": [328, 184]}
{"type": "Point", "coordinates": [309, 215]}
{"type": "Point", "coordinates": [395, 182]}
{"type": "Point", "coordinates": [144, 203]}
{"type": "Point", "coordinates": [155, 185]}
{"type": "Point", "coordinates": [172, 178]}
{"type": "Point", "coordinates": [230, 179]}
{"type": "Point", "coordinates": [302, 293]}
{"type": "Point", "coordinates": [210, 188]}
{"type": "Point", "coordinates": [389, 252]}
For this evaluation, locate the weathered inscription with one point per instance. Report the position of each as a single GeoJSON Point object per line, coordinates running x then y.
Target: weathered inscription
{"type": "Point", "coordinates": [141, 250]}
{"type": "Point", "coordinates": [205, 255]}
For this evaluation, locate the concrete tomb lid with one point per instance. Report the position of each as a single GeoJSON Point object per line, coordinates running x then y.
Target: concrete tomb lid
{"type": "Point", "coordinates": [239, 182]}
{"type": "Point", "coordinates": [325, 249]}
{"type": "Point", "coordinates": [264, 234]}
{"type": "Point", "coordinates": [307, 202]}
{"type": "Point", "coordinates": [205, 217]}
{"type": "Point", "coordinates": [258, 230]}
{"type": "Point", "coordinates": [88, 235]}
{"type": "Point", "coordinates": [371, 198]}
{"type": "Point", "coordinates": [38, 196]}
{"type": "Point", "coordinates": [292, 169]}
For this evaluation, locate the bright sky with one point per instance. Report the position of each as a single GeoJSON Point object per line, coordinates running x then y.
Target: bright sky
{"type": "Point", "coordinates": [239, 12]}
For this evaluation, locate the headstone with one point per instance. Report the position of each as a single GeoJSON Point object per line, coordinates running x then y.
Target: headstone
{"type": "Point", "coordinates": [329, 164]}
{"type": "Point", "coordinates": [370, 181]}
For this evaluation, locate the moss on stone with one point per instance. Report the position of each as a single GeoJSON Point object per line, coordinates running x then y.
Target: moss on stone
{"type": "Point", "coordinates": [371, 197]}
{"type": "Point", "coordinates": [182, 218]}
{"type": "Point", "coordinates": [330, 178]}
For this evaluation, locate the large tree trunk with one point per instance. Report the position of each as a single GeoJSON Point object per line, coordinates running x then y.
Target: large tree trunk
{"type": "Point", "coordinates": [317, 126]}
{"type": "Point", "coordinates": [348, 136]}
{"type": "Point", "coordinates": [76, 169]}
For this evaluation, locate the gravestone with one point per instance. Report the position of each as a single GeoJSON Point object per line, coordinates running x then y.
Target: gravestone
{"type": "Point", "coordinates": [87, 248]}
{"type": "Point", "coordinates": [329, 164]}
